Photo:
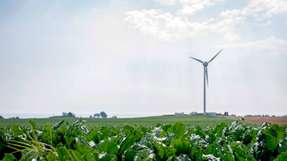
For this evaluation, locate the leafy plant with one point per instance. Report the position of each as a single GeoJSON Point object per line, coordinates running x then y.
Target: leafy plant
{"type": "Point", "coordinates": [74, 141]}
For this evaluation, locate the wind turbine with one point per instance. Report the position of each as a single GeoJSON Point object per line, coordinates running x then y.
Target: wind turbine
{"type": "Point", "coordinates": [205, 76]}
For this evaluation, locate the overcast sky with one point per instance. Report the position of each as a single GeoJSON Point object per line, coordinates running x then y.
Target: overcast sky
{"type": "Point", "coordinates": [130, 58]}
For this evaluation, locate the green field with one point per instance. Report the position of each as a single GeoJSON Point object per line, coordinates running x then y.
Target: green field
{"type": "Point", "coordinates": [190, 121]}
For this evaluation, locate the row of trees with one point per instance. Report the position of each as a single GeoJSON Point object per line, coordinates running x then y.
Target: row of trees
{"type": "Point", "coordinates": [68, 114]}
{"type": "Point", "coordinates": [101, 114]}
{"type": "Point", "coordinates": [17, 117]}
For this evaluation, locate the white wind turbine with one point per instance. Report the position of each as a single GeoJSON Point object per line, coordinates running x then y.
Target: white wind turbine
{"type": "Point", "coordinates": [205, 76]}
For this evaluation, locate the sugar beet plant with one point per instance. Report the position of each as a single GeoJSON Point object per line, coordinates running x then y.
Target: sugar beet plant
{"type": "Point", "coordinates": [75, 142]}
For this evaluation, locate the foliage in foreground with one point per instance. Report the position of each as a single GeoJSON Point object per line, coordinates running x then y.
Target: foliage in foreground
{"type": "Point", "coordinates": [74, 141]}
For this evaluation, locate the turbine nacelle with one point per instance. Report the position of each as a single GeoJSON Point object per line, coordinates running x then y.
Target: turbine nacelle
{"type": "Point", "coordinates": [205, 63]}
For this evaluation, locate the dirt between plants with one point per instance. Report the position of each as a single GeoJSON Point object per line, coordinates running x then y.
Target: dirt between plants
{"type": "Point", "coordinates": [259, 120]}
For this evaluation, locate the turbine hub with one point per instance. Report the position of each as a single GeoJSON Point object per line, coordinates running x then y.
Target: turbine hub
{"type": "Point", "coordinates": [205, 64]}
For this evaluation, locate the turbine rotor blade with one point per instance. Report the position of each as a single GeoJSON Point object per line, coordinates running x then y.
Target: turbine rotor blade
{"type": "Point", "coordinates": [206, 75]}
{"type": "Point", "coordinates": [196, 59]}
{"type": "Point", "coordinates": [215, 55]}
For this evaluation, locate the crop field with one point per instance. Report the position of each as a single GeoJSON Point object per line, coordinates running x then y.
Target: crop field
{"type": "Point", "coordinates": [154, 138]}
{"type": "Point", "coordinates": [187, 120]}
{"type": "Point", "coordinates": [260, 120]}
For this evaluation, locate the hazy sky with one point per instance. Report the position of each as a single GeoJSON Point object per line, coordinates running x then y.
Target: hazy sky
{"type": "Point", "coordinates": [131, 57]}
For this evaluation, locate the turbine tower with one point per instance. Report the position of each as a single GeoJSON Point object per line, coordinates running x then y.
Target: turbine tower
{"type": "Point", "coordinates": [205, 76]}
